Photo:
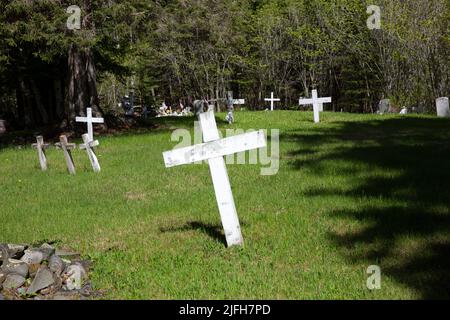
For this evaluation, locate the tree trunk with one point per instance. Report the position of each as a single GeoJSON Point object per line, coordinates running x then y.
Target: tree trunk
{"type": "Point", "coordinates": [82, 88]}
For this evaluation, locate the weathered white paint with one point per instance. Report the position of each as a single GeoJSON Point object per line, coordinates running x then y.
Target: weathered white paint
{"type": "Point", "coordinates": [40, 146]}
{"type": "Point", "coordinates": [213, 150]}
{"type": "Point", "coordinates": [89, 120]}
{"type": "Point", "coordinates": [66, 147]}
{"type": "Point", "coordinates": [442, 107]}
{"type": "Point", "coordinates": [317, 104]}
{"type": "Point", "coordinates": [89, 147]}
{"type": "Point", "coordinates": [272, 101]}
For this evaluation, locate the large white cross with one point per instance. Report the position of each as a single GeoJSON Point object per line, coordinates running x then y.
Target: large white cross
{"type": "Point", "coordinates": [317, 104]}
{"type": "Point", "coordinates": [89, 120]}
{"type": "Point", "coordinates": [213, 150]}
{"type": "Point", "coordinates": [272, 100]}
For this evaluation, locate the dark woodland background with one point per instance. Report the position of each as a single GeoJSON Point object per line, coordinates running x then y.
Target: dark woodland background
{"type": "Point", "coordinates": [183, 50]}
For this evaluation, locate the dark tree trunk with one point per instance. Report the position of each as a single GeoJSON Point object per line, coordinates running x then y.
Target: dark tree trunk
{"type": "Point", "coordinates": [82, 88]}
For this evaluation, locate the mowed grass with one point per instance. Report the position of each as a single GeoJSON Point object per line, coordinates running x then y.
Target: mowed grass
{"type": "Point", "coordinates": [352, 191]}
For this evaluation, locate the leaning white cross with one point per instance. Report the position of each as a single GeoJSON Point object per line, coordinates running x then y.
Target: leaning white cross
{"type": "Point", "coordinates": [66, 147]}
{"type": "Point", "coordinates": [89, 146]}
{"type": "Point", "coordinates": [213, 150]}
{"type": "Point", "coordinates": [40, 146]}
{"type": "Point", "coordinates": [317, 103]}
{"type": "Point", "coordinates": [272, 101]}
{"type": "Point", "coordinates": [89, 120]}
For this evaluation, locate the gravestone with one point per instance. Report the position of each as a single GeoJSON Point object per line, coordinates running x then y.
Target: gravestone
{"type": "Point", "coordinates": [89, 147]}
{"type": "Point", "coordinates": [2, 126]}
{"type": "Point", "coordinates": [213, 150]}
{"type": "Point", "coordinates": [384, 106]}
{"type": "Point", "coordinates": [66, 147]}
{"type": "Point", "coordinates": [317, 104]}
{"type": "Point", "coordinates": [40, 146]}
{"type": "Point", "coordinates": [199, 107]}
{"type": "Point", "coordinates": [89, 120]}
{"type": "Point", "coordinates": [442, 107]}
{"type": "Point", "coordinates": [272, 101]}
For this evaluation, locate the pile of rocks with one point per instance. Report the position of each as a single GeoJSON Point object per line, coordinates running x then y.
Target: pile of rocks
{"type": "Point", "coordinates": [43, 273]}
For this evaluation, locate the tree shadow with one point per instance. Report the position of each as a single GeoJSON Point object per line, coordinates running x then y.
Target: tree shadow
{"type": "Point", "coordinates": [399, 171]}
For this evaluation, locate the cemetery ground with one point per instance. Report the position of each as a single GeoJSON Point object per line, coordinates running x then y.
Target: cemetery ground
{"type": "Point", "coordinates": [352, 191]}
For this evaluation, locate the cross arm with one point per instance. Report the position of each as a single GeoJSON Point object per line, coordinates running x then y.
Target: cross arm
{"type": "Point", "coordinates": [215, 149]}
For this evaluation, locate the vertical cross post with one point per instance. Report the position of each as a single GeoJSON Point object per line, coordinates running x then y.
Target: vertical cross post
{"type": "Point", "coordinates": [272, 101]}
{"type": "Point", "coordinates": [66, 147]}
{"type": "Point", "coordinates": [89, 147]}
{"type": "Point", "coordinates": [213, 150]}
{"type": "Point", "coordinates": [40, 146]}
{"type": "Point", "coordinates": [317, 104]}
{"type": "Point", "coordinates": [89, 120]}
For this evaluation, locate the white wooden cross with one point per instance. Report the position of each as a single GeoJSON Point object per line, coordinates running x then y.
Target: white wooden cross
{"type": "Point", "coordinates": [89, 146]}
{"type": "Point", "coordinates": [89, 120]}
{"type": "Point", "coordinates": [66, 147]}
{"type": "Point", "coordinates": [272, 101]}
{"type": "Point", "coordinates": [317, 103]}
{"type": "Point", "coordinates": [213, 150]}
{"type": "Point", "coordinates": [40, 146]}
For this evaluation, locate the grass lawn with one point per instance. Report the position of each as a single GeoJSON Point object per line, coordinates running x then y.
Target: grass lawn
{"type": "Point", "coordinates": [353, 191]}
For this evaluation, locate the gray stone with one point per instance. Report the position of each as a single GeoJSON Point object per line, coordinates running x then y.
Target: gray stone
{"type": "Point", "coordinates": [32, 257]}
{"type": "Point", "coordinates": [2, 278]}
{"type": "Point", "coordinates": [47, 251]}
{"type": "Point", "coordinates": [13, 281]}
{"type": "Point", "coordinates": [67, 254]}
{"type": "Point", "coordinates": [384, 106]}
{"type": "Point", "coordinates": [16, 266]}
{"type": "Point", "coordinates": [442, 107]}
{"type": "Point", "coordinates": [74, 275]}
{"type": "Point", "coordinates": [1, 297]}
{"type": "Point", "coordinates": [43, 279]}
{"type": "Point", "coordinates": [56, 265]}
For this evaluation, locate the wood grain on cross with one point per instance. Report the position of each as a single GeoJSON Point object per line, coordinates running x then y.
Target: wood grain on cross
{"type": "Point", "coordinates": [213, 150]}
{"type": "Point", "coordinates": [89, 147]}
{"type": "Point", "coordinates": [40, 146]}
{"type": "Point", "coordinates": [89, 120]}
{"type": "Point", "coordinates": [317, 104]}
{"type": "Point", "coordinates": [66, 147]}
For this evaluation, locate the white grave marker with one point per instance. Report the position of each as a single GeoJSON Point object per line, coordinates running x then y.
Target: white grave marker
{"type": "Point", "coordinates": [89, 146]}
{"type": "Point", "coordinates": [89, 120]}
{"type": "Point", "coordinates": [66, 147]}
{"type": "Point", "coordinates": [272, 101]}
{"type": "Point", "coordinates": [317, 103]}
{"type": "Point", "coordinates": [213, 150]}
{"type": "Point", "coordinates": [442, 106]}
{"type": "Point", "coordinates": [40, 146]}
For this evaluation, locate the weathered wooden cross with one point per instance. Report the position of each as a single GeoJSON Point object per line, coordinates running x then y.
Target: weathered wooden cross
{"type": "Point", "coordinates": [89, 120]}
{"type": "Point", "coordinates": [89, 146]}
{"type": "Point", "coordinates": [317, 104]}
{"type": "Point", "coordinates": [213, 150]}
{"type": "Point", "coordinates": [40, 146]}
{"type": "Point", "coordinates": [272, 101]}
{"type": "Point", "coordinates": [66, 147]}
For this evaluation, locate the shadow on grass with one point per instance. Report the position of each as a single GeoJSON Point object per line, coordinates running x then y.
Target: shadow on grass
{"type": "Point", "coordinates": [403, 165]}
{"type": "Point", "coordinates": [213, 231]}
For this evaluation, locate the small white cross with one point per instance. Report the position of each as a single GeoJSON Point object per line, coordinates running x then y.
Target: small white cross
{"type": "Point", "coordinates": [89, 120]}
{"type": "Point", "coordinates": [317, 104]}
{"type": "Point", "coordinates": [272, 101]}
{"type": "Point", "coordinates": [213, 150]}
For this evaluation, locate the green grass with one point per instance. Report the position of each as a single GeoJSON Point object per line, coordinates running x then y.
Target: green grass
{"type": "Point", "coordinates": [353, 191]}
